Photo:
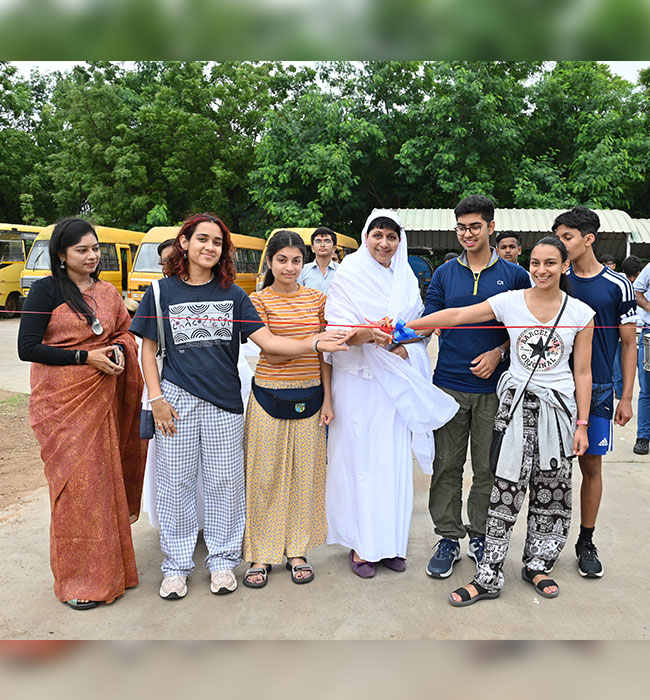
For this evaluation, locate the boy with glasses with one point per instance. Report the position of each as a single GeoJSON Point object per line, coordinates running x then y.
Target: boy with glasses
{"type": "Point", "coordinates": [611, 296]}
{"type": "Point", "coordinates": [470, 362]}
{"type": "Point", "coordinates": [318, 274]}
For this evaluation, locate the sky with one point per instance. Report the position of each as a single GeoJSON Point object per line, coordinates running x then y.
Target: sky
{"type": "Point", "coordinates": [626, 69]}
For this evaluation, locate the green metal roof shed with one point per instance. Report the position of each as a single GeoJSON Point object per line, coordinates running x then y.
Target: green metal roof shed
{"type": "Point", "coordinates": [434, 228]}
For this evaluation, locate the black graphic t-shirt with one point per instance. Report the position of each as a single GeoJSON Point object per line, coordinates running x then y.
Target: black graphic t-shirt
{"type": "Point", "coordinates": [203, 327]}
{"type": "Point", "coordinates": [528, 337]}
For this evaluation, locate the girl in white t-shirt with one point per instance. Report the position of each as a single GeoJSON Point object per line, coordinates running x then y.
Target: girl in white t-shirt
{"type": "Point", "coordinates": [542, 435]}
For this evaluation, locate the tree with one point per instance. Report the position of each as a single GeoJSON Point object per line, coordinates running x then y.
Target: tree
{"type": "Point", "coordinates": [585, 140]}
{"type": "Point", "coordinates": [20, 152]}
{"type": "Point", "coordinates": [469, 132]}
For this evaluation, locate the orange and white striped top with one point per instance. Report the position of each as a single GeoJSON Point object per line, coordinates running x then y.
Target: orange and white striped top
{"type": "Point", "coordinates": [306, 308]}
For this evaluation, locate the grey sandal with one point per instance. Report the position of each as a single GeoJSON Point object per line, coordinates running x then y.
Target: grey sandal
{"type": "Point", "coordinates": [300, 567]}
{"type": "Point", "coordinates": [262, 570]}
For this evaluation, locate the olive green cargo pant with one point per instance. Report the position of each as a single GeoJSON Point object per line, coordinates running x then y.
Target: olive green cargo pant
{"type": "Point", "coordinates": [475, 420]}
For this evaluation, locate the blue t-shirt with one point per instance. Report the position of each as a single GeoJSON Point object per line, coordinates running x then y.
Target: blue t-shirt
{"type": "Point", "coordinates": [202, 335]}
{"type": "Point", "coordinates": [611, 296]}
{"type": "Point", "coordinates": [452, 285]}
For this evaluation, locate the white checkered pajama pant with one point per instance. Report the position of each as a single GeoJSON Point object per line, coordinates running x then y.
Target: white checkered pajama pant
{"type": "Point", "coordinates": [211, 439]}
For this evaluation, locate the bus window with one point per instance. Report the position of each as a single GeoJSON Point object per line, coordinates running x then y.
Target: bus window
{"type": "Point", "coordinates": [11, 251]}
{"type": "Point", "coordinates": [109, 257]}
{"type": "Point", "coordinates": [39, 256]}
{"type": "Point", "coordinates": [247, 260]}
{"type": "Point", "coordinates": [148, 259]}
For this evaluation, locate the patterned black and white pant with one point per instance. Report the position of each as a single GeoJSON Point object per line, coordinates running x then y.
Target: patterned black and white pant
{"type": "Point", "coordinates": [549, 507]}
{"type": "Point", "coordinates": [213, 439]}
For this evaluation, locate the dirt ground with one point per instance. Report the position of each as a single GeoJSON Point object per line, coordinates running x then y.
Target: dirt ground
{"type": "Point", "coordinates": [21, 468]}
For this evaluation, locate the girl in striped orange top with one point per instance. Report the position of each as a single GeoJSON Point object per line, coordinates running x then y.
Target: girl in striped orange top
{"type": "Point", "coordinates": [284, 442]}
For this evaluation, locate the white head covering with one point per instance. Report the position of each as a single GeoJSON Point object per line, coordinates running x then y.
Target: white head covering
{"type": "Point", "coordinates": [378, 291]}
{"type": "Point", "coordinates": [364, 289]}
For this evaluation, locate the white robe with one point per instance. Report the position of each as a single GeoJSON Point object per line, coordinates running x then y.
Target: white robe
{"type": "Point", "coordinates": [383, 407]}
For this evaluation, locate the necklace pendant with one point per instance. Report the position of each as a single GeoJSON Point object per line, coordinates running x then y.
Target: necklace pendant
{"type": "Point", "coordinates": [97, 327]}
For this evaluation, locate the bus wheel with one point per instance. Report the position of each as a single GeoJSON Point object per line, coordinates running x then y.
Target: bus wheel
{"type": "Point", "coordinates": [12, 306]}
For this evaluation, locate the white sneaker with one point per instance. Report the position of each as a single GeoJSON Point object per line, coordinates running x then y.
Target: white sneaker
{"type": "Point", "coordinates": [222, 582]}
{"type": "Point", "coordinates": [173, 587]}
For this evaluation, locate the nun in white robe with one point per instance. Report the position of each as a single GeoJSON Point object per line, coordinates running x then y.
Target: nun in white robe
{"type": "Point", "coordinates": [385, 407]}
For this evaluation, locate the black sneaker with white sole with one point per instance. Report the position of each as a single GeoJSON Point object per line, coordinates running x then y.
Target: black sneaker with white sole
{"type": "Point", "coordinates": [588, 563]}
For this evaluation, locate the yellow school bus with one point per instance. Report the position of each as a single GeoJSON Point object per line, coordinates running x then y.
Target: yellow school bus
{"type": "Point", "coordinates": [345, 245]}
{"type": "Point", "coordinates": [248, 253]}
{"type": "Point", "coordinates": [15, 242]}
{"type": "Point", "coordinates": [117, 246]}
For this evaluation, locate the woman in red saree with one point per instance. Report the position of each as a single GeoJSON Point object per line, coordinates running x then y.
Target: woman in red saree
{"type": "Point", "coordinates": [84, 410]}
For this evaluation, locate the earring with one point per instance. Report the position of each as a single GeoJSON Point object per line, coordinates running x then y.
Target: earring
{"type": "Point", "coordinates": [185, 254]}
{"type": "Point", "coordinates": [62, 265]}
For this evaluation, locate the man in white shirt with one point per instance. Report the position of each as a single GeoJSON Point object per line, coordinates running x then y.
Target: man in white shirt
{"type": "Point", "coordinates": [318, 274]}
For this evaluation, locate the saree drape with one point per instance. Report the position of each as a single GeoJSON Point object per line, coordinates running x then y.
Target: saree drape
{"type": "Point", "coordinates": [87, 424]}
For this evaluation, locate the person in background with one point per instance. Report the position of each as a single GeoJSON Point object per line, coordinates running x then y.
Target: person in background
{"type": "Point", "coordinates": [165, 250]}
{"type": "Point", "coordinates": [608, 260]}
{"type": "Point", "coordinates": [84, 409]}
{"type": "Point", "coordinates": [611, 296]}
{"type": "Point", "coordinates": [631, 268]}
{"type": "Point", "coordinates": [508, 245]}
{"type": "Point", "coordinates": [318, 273]}
{"type": "Point", "coordinates": [336, 256]}
{"type": "Point", "coordinates": [469, 365]}
{"type": "Point", "coordinates": [642, 292]}
{"type": "Point", "coordinates": [449, 256]}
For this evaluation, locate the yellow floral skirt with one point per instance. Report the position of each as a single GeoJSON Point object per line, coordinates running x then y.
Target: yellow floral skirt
{"type": "Point", "coordinates": [286, 468]}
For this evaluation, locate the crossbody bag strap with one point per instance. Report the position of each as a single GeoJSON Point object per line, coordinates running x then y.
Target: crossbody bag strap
{"type": "Point", "coordinates": [161, 352]}
{"type": "Point", "coordinates": [539, 359]}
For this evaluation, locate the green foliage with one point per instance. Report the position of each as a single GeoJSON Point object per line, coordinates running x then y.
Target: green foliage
{"type": "Point", "coordinates": [265, 144]}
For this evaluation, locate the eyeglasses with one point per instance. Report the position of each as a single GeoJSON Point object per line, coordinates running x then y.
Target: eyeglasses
{"type": "Point", "coordinates": [474, 228]}
{"type": "Point", "coordinates": [322, 241]}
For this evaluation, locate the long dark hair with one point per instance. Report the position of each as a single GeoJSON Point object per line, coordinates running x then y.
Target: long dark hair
{"type": "Point", "coordinates": [279, 240]}
{"type": "Point", "coordinates": [69, 232]}
{"type": "Point", "coordinates": [557, 243]}
{"type": "Point", "coordinates": [224, 269]}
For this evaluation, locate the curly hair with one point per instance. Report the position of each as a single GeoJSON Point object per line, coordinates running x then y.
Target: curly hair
{"type": "Point", "coordinates": [224, 269]}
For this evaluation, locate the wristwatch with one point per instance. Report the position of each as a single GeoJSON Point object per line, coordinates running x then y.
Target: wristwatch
{"type": "Point", "coordinates": [503, 354]}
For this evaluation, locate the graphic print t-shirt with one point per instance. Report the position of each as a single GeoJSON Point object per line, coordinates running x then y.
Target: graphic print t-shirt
{"type": "Point", "coordinates": [527, 339]}
{"type": "Point", "coordinates": [203, 325]}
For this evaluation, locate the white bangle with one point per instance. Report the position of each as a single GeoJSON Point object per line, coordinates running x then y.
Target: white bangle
{"type": "Point", "coordinates": [157, 398]}
{"type": "Point", "coordinates": [314, 344]}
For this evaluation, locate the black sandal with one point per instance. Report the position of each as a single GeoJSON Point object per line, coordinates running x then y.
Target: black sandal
{"type": "Point", "coordinates": [528, 575]}
{"type": "Point", "coordinates": [300, 567]}
{"type": "Point", "coordinates": [466, 596]}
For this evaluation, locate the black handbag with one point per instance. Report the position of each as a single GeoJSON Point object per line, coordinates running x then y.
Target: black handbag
{"type": "Point", "coordinates": [289, 404]}
{"type": "Point", "coordinates": [497, 435]}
